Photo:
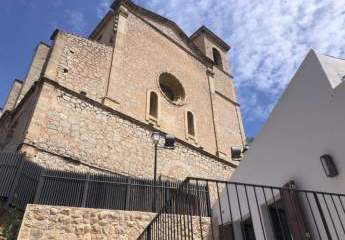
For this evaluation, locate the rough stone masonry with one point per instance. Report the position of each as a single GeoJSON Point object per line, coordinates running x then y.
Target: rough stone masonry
{"type": "Point", "coordinates": [91, 104]}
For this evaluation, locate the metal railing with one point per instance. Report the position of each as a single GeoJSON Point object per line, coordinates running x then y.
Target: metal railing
{"type": "Point", "coordinates": [248, 211]}
{"type": "Point", "coordinates": [23, 182]}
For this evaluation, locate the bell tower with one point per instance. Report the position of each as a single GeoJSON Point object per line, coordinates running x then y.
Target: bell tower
{"type": "Point", "coordinates": [213, 47]}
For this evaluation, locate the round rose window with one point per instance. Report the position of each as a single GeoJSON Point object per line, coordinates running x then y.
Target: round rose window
{"type": "Point", "coordinates": [171, 88]}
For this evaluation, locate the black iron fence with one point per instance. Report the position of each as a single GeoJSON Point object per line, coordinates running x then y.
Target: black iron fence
{"type": "Point", "coordinates": [23, 182]}
{"type": "Point", "coordinates": [247, 211]}
{"type": "Point", "coordinates": [9, 166]}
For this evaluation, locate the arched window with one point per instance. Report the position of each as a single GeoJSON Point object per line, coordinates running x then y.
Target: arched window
{"type": "Point", "coordinates": [153, 107]}
{"type": "Point", "coordinates": [190, 124]}
{"type": "Point", "coordinates": [217, 58]}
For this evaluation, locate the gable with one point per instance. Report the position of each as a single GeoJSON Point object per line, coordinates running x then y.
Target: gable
{"type": "Point", "coordinates": [168, 30]}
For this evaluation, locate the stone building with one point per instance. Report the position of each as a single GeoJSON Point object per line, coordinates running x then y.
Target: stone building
{"type": "Point", "coordinates": [92, 103]}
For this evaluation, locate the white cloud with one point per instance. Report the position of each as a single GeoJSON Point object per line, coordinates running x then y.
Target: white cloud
{"type": "Point", "coordinates": [76, 19]}
{"type": "Point", "coordinates": [269, 38]}
{"type": "Point", "coordinates": [103, 8]}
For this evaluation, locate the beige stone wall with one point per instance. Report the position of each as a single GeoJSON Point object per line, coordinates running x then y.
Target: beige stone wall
{"type": "Point", "coordinates": [224, 85]}
{"type": "Point", "coordinates": [68, 126]}
{"type": "Point", "coordinates": [168, 30]}
{"type": "Point", "coordinates": [35, 70]}
{"type": "Point", "coordinates": [229, 131]}
{"type": "Point", "coordinates": [55, 223]}
{"type": "Point", "coordinates": [121, 77]}
{"type": "Point", "coordinates": [143, 55]}
{"type": "Point", "coordinates": [227, 114]}
{"type": "Point", "coordinates": [51, 222]}
{"type": "Point", "coordinates": [13, 127]}
{"type": "Point", "coordinates": [200, 43]}
{"type": "Point", "coordinates": [80, 65]}
{"type": "Point", "coordinates": [13, 95]}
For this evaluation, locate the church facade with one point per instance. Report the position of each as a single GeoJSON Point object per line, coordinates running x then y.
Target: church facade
{"type": "Point", "coordinates": [92, 103]}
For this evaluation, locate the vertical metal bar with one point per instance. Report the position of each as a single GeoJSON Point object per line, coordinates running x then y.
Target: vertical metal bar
{"type": "Point", "coordinates": [330, 215]}
{"type": "Point", "coordinates": [15, 182]}
{"type": "Point", "coordinates": [259, 212]}
{"type": "Point", "coordinates": [199, 210]}
{"type": "Point", "coordinates": [239, 207]}
{"type": "Point", "coordinates": [185, 200]}
{"type": "Point", "coordinates": [209, 210]}
{"type": "Point", "coordinates": [341, 203]}
{"type": "Point", "coordinates": [250, 212]}
{"type": "Point", "coordinates": [40, 186]}
{"type": "Point", "coordinates": [323, 219]}
{"type": "Point", "coordinates": [220, 213]}
{"type": "Point", "coordinates": [183, 210]}
{"type": "Point", "coordinates": [148, 236]}
{"type": "Point", "coordinates": [230, 211]}
{"type": "Point", "coordinates": [313, 215]}
{"type": "Point", "coordinates": [86, 190]}
{"type": "Point", "coordinates": [173, 212]}
{"type": "Point", "coordinates": [179, 202]}
{"type": "Point", "coordinates": [190, 210]}
{"type": "Point", "coordinates": [336, 210]}
{"type": "Point", "coordinates": [279, 220]}
{"type": "Point", "coordinates": [127, 192]}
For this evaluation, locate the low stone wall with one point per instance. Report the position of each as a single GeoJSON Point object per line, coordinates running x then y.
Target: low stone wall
{"type": "Point", "coordinates": [48, 222]}
{"type": "Point", "coordinates": [67, 223]}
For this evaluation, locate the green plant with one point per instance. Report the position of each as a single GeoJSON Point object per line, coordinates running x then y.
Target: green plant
{"type": "Point", "coordinates": [10, 221]}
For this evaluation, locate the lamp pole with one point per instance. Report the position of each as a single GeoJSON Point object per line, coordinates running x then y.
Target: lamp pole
{"type": "Point", "coordinates": [155, 139]}
{"type": "Point", "coordinates": [155, 178]}
{"type": "Point", "coordinates": [169, 144]}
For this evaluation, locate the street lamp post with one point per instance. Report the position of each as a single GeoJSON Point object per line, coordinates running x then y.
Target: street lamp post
{"type": "Point", "coordinates": [155, 139]}
{"type": "Point", "coordinates": [169, 144]}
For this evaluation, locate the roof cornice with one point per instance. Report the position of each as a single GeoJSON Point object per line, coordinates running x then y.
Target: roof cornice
{"type": "Point", "coordinates": [218, 40]}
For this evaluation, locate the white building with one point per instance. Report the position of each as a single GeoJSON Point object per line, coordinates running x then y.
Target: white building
{"type": "Point", "coordinates": [307, 123]}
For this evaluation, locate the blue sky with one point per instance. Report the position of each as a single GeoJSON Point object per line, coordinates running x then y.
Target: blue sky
{"type": "Point", "coordinates": [269, 38]}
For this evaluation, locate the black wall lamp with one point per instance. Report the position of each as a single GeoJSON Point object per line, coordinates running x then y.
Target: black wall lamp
{"type": "Point", "coordinates": [329, 165]}
{"type": "Point", "coordinates": [237, 152]}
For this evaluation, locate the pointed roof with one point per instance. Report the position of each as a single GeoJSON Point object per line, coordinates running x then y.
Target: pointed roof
{"type": "Point", "coordinates": [333, 67]}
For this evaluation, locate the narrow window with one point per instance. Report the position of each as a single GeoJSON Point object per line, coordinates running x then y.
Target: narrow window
{"type": "Point", "coordinates": [153, 105]}
{"type": "Point", "coordinates": [190, 123]}
{"type": "Point", "coordinates": [217, 58]}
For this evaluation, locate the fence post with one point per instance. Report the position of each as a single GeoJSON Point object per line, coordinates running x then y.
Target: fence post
{"type": "Point", "coordinates": [149, 232]}
{"type": "Point", "coordinates": [208, 201]}
{"type": "Point", "coordinates": [40, 185]}
{"type": "Point", "coordinates": [86, 190]}
{"type": "Point", "coordinates": [127, 197]}
{"type": "Point", "coordinates": [15, 181]}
